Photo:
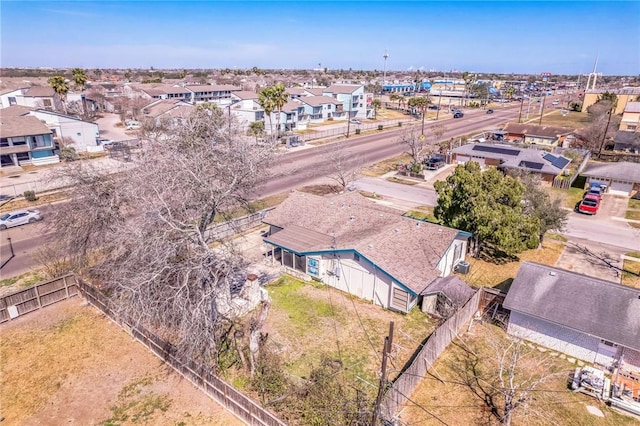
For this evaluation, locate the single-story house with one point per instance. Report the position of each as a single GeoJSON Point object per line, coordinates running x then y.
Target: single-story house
{"type": "Point", "coordinates": [584, 317]}
{"type": "Point", "coordinates": [627, 141]}
{"type": "Point", "coordinates": [621, 178]}
{"type": "Point", "coordinates": [365, 249]}
{"type": "Point", "coordinates": [536, 135]}
{"type": "Point", "coordinates": [505, 157]}
{"type": "Point", "coordinates": [25, 140]}
{"type": "Point", "coordinates": [173, 110]}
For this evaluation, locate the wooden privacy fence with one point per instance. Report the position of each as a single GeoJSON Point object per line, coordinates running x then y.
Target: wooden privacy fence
{"type": "Point", "coordinates": [402, 387]}
{"type": "Point", "coordinates": [36, 297]}
{"type": "Point", "coordinates": [198, 374]}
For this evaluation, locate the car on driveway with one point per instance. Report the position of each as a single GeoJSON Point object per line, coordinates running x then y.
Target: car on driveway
{"type": "Point", "coordinates": [434, 163]}
{"type": "Point", "coordinates": [19, 217]}
{"type": "Point", "coordinates": [589, 204]}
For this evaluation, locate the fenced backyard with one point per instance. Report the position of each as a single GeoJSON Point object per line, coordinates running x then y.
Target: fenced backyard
{"type": "Point", "coordinates": [43, 294]}
{"type": "Point", "coordinates": [199, 375]}
{"type": "Point", "coordinates": [401, 388]}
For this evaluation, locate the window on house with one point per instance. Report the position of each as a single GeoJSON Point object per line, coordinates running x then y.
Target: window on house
{"type": "Point", "coordinates": [17, 142]}
{"type": "Point", "coordinates": [631, 127]}
{"type": "Point", "coordinates": [22, 156]}
{"type": "Point", "coordinates": [4, 142]}
{"type": "Point", "coordinates": [12, 100]}
{"type": "Point", "coordinates": [46, 103]}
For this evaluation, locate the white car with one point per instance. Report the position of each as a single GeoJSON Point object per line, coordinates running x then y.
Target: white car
{"type": "Point", "coordinates": [19, 217]}
{"type": "Point", "coordinates": [355, 121]}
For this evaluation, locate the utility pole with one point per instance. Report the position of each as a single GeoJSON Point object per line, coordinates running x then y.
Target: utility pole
{"type": "Point", "coordinates": [439, 101]}
{"type": "Point", "coordinates": [388, 344]}
{"type": "Point", "coordinates": [604, 136]}
{"type": "Point", "coordinates": [349, 118]}
{"type": "Point", "coordinates": [384, 72]}
{"type": "Point", "coordinates": [520, 114]}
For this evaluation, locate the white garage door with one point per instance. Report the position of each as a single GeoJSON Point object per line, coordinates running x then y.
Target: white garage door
{"type": "Point", "coordinates": [461, 159]}
{"type": "Point", "coordinates": [620, 187]}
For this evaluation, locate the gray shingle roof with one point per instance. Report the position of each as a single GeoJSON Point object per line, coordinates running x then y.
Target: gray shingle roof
{"type": "Point", "coordinates": [535, 130]}
{"type": "Point", "coordinates": [407, 249]}
{"type": "Point", "coordinates": [632, 107]}
{"type": "Point", "coordinates": [600, 308]}
{"type": "Point", "coordinates": [40, 92]}
{"type": "Point", "coordinates": [622, 170]}
{"type": "Point", "coordinates": [14, 111]}
{"type": "Point", "coordinates": [453, 287]}
{"type": "Point", "coordinates": [315, 101]}
{"type": "Point", "coordinates": [342, 88]}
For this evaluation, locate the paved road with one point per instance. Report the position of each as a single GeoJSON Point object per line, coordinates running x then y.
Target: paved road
{"type": "Point", "coordinates": [26, 240]}
{"type": "Point", "coordinates": [304, 166]}
{"type": "Point", "coordinates": [108, 129]}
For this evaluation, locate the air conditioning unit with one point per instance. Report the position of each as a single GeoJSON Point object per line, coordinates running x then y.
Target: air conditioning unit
{"type": "Point", "coordinates": [463, 267]}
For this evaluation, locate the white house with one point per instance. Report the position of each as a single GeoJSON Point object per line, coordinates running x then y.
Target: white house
{"type": "Point", "coordinates": [245, 107]}
{"type": "Point", "coordinates": [584, 317]}
{"type": "Point", "coordinates": [10, 97]}
{"type": "Point", "coordinates": [319, 108]}
{"type": "Point", "coordinates": [621, 178]}
{"type": "Point", "coordinates": [362, 248]}
{"type": "Point", "coordinates": [83, 133]}
{"type": "Point", "coordinates": [352, 99]}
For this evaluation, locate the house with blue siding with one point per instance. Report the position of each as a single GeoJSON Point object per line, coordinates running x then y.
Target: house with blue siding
{"type": "Point", "coordinates": [25, 140]}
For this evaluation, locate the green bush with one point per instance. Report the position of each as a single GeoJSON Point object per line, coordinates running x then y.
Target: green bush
{"type": "Point", "coordinates": [30, 195]}
{"type": "Point", "coordinates": [68, 153]}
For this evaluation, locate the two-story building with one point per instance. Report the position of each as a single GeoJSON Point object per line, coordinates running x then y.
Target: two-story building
{"type": "Point", "coordinates": [352, 99]}
{"type": "Point", "coordinates": [630, 121]}
{"type": "Point", "coordinates": [219, 94]}
{"type": "Point", "coordinates": [319, 108]}
{"type": "Point", "coordinates": [25, 140]}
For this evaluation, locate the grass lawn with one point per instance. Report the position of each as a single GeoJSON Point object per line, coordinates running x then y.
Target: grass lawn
{"type": "Point", "coordinates": [21, 203]}
{"type": "Point", "coordinates": [573, 120]}
{"type": "Point", "coordinates": [632, 214]}
{"type": "Point", "coordinates": [485, 273]}
{"type": "Point", "coordinates": [68, 364]}
{"type": "Point", "coordinates": [385, 166]}
{"type": "Point", "coordinates": [570, 197]}
{"type": "Point", "coordinates": [631, 273]}
{"type": "Point", "coordinates": [422, 213]}
{"type": "Point", "coordinates": [443, 393]}
{"type": "Point", "coordinates": [28, 279]}
{"type": "Point", "coordinates": [309, 321]}
{"type": "Point", "coordinates": [634, 204]}
{"type": "Point", "coordinates": [402, 181]}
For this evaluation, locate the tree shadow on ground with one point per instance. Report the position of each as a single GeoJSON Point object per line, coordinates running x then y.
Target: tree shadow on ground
{"type": "Point", "coordinates": [492, 254]}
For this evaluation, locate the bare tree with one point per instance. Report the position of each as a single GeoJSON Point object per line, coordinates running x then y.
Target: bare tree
{"type": "Point", "coordinates": [415, 144]}
{"type": "Point", "coordinates": [504, 372]}
{"type": "Point", "coordinates": [342, 167]}
{"type": "Point", "coordinates": [602, 125]}
{"type": "Point", "coordinates": [141, 233]}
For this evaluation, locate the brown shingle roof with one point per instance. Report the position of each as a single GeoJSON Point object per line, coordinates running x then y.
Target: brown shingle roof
{"type": "Point", "coordinates": [40, 92]}
{"type": "Point", "coordinates": [158, 108]}
{"type": "Point", "coordinates": [407, 249]}
{"type": "Point", "coordinates": [14, 111]}
{"type": "Point", "coordinates": [22, 126]}
{"type": "Point", "coordinates": [213, 88]}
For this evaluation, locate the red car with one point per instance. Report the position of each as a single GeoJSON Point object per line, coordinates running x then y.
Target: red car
{"type": "Point", "coordinates": [589, 204]}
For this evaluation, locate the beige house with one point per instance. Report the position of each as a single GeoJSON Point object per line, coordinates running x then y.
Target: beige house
{"type": "Point", "coordinates": [625, 95]}
{"type": "Point", "coordinates": [362, 248]}
{"type": "Point", "coordinates": [631, 117]}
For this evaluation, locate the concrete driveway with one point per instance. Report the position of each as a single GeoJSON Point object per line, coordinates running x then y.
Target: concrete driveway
{"type": "Point", "coordinates": [593, 259]}
{"type": "Point", "coordinates": [108, 128]}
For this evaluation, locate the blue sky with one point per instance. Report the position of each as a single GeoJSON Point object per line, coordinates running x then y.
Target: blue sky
{"type": "Point", "coordinates": [505, 36]}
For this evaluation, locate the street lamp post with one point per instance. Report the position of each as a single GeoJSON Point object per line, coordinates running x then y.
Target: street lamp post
{"type": "Point", "coordinates": [384, 72]}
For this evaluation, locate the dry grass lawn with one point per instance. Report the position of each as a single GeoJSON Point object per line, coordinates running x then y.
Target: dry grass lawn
{"type": "Point", "coordinates": [489, 274]}
{"type": "Point", "coordinates": [573, 120]}
{"type": "Point", "coordinates": [309, 321]}
{"type": "Point", "coordinates": [631, 274]}
{"type": "Point", "coordinates": [455, 404]}
{"type": "Point", "coordinates": [21, 203]}
{"type": "Point", "coordinates": [67, 364]}
{"type": "Point", "coordinates": [385, 166]}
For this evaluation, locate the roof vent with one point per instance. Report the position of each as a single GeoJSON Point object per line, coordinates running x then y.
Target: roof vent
{"type": "Point", "coordinates": [397, 230]}
{"type": "Point", "coordinates": [439, 230]}
{"type": "Point", "coordinates": [553, 274]}
{"type": "Point", "coordinates": [417, 223]}
{"type": "Point", "coordinates": [370, 245]}
{"type": "Point", "coordinates": [352, 218]}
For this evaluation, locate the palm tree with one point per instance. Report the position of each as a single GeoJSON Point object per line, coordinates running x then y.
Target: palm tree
{"type": "Point", "coordinates": [79, 77]}
{"type": "Point", "coordinates": [421, 103]}
{"type": "Point", "coordinates": [265, 99]}
{"type": "Point", "coordinates": [280, 97]}
{"type": "Point", "coordinates": [60, 85]}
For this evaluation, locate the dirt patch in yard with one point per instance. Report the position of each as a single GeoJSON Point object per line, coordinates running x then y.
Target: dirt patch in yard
{"type": "Point", "coordinates": [67, 364]}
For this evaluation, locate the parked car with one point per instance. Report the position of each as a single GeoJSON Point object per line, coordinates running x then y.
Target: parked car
{"type": "Point", "coordinates": [355, 121]}
{"type": "Point", "coordinates": [434, 163]}
{"type": "Point", "coordinates": [458, 114]}
{"type": "Point", "coordinates": [489, 111]}
{"type": "Point", "coordinates": [132, 125]}
{"type": "Point", "coordinates": [589, 204]}
{"type": "Point", "coordinates": [19, 217]}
